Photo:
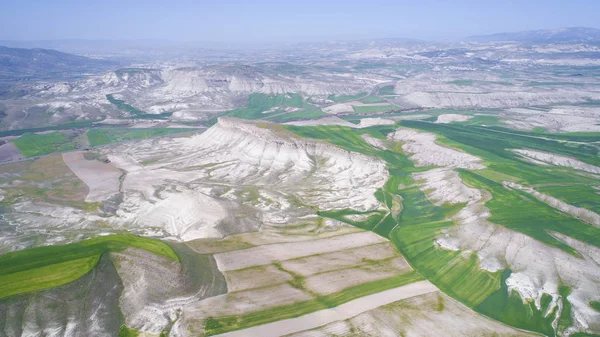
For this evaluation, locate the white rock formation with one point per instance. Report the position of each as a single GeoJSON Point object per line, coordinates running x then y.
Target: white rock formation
{"type": "Point", "coordinates": [558, 160]}
{"type": "Point", "coordinates": [449, 118]}
{"type": "Point", "coordinates": [179, 195]}
{"type": "Point", "coordinates": [426, 152]}
{"type": "Point", "coordinates": [445, 186]}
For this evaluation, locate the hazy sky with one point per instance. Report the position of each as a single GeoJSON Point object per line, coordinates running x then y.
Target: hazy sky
{"type": "Point", "coordinates": [284, 21]}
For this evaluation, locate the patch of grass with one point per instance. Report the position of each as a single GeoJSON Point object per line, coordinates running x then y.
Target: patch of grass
{"type": "Point", "coordinates": [387, 90]}
{"type": "Point", "coordinates": [508, 307]}
{"type": "Point", "coordinates": [482, 120]}
{"type": "Point", "coordinates": [373, 108]}
{"type": "Point", "coordinates": [66, 126]}
{"type": "Point", "coordinates": [46, 179]}
{"type": "Point", "coordinates": [595, 305]}
{"type": "Point", "coordinates": [52, 266]}
{"type": "Point", "coordinates": [266, 102]}
{"type": "Point", "coordinates": [32, 145]}
{"type": "Point", "coordinates": [369, 288]}
{"type": "Point", "coordinates": [296, 115]}
{"type": "Point", "coordinates": [260, 104]}
{"type": "Point", "coordinates": [108, 136]}
{"type": "Point", "coordinates": [461, 82]}
{"type": "Point", "coordinates": [565, 320]}
{"type": "Point", "coordinates": [344, 98]}
{"type": "Point", "coordinates": [121, 105]}
{"type": "Point", "coordinates": [137, 113]}
{"type": "Point", "coordinates": [124, 331]}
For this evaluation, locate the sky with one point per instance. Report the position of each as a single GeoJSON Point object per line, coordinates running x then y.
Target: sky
{"type": "Point", "coordinates": [278, 21]}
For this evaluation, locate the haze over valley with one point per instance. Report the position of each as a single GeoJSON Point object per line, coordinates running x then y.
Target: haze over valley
{"type": "Point", "coordinates": [329, 187]}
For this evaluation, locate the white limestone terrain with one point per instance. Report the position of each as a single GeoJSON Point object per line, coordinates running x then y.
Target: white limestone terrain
{"type": "Point", "coordinates": [343, 312]}
{"type": "Point", "coordinates": [426, 152]}
{"type": "Point", "coordinates": [278, 234]}
{"type": "Point", "coordinates": [537, 268]}
{"type": "Point", "coordinates": [449, 118]}
{"type": "Point", "coordinates": [191, 193]}
{"type": "Point", "coordinates": [429, 314]}
{"type": "Point", "coordinates": [102, 179]}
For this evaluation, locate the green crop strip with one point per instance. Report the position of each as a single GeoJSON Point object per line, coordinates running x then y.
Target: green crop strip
{"type": "Point", "coordinates": [219, 325]}
{"type": "Point", "coordinates": [51, 266]}
{"type": "Point", "coordinates": [32, 145]}
{"type": "Point", "coordinates": [387, 90]}
{"type": "Point", "coordinates": [260, 104]}
{"type": "Point", "coordinates": [113, 135]}
{"type": "Point", "coordinates": [301, 114]}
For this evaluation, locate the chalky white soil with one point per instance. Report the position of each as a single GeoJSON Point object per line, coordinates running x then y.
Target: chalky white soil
{"type": "Point", "coordinates": [342, 312]}
{"type": "Point", "coordinates": [430, 314]}
{"type": "Point", "coordinates": [268, 254]}
{"type": "Point", "coordinates": [331, 282]}
{"type": "Point", "coordinates": [426, 152]}
{"type": "Point", "coordinates": [236, 177]}
{"type": "Point", "coordinates": [449, 118]}
{"type": "Point", "coordinates": [102, 179]}
{"type": "Point", "coordinates": [443, 185]}
{"type": "Point", "coordinates": [558, 160]}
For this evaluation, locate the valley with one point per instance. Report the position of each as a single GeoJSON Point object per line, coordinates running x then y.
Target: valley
{"type": "Point", "coordinates": [361, 189]}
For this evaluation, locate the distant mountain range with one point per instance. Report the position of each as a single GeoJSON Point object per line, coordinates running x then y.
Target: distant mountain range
{"type": "Point", "coordinates": [561, 35]}
{"type": "Point", "coordinates": [22, 64]}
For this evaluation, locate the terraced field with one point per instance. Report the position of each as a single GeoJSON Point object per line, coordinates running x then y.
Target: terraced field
{"type": "Point", "coordinates": [32, 145]}
{"type": "Point", "coordinates": [291, 279]}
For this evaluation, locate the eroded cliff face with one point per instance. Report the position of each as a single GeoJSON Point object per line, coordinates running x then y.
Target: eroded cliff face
{"type": "Point", "coordinates": [88, 306]}
{"type": "Point", "coordinates": [239, 167]}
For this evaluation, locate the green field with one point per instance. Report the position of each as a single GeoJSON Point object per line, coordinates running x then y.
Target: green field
{"type": "Point", "coordinates": [457, 273]}
{"type": "Point", "coordinates": [388, 90]}
{"type": "Point", "coordinates": [51, 266]}
{"type": "Point", "coordinates": [373, 108]}
{"type": "Point", "coordinates": [121, 105]}
{"type": "Point", "coordinates": [113, 135]}
{"type": "Point", "coordinates": [296, 115]}
{"type": "Point", "coordinates": [258, 104]}
{"type": "Point", "coordinates": [137, 113]}
{"type": "Point", "coordinates": [344, 98]}
{"type": "Point", "coordinates": [66, 126]}
{"type": "Point", "coordinates": [32, 145]}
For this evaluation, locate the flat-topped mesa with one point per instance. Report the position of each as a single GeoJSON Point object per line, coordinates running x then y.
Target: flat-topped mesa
{"type": "Point", "coordinates": [259, 153]}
